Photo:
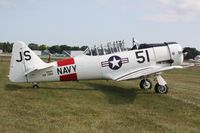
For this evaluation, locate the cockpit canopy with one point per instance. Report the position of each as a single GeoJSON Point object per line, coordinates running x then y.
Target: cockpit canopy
{"type": "Point", "coordinates": [118, 46]}
{"type": "Point", "coordinates": [109, 48]}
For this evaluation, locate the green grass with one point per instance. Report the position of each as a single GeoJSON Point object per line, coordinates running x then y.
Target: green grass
{"type": "Point", "coordinates": [100, 106]}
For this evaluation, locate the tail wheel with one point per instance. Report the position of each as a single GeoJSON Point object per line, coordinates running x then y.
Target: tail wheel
{"type": "Point", "coordinates": [35, 86]}
{"type": "Point", "coordinates": [161, 89]}
{"type": "Point", "coordinates": [145, 84]}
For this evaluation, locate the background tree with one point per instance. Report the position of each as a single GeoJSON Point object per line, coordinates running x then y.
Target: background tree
{"type": "Point", "coordinates": [42, 47]}
{"type": "Point", "coordinates": [83, 48]}
{"type": "Point", "coordinates": [33, 46]}
{"type": "Point", "coordinates": [64, 47]}
{"type": "Point", "coordinates": [6, 47]}
{"type": "Point", "coordinates": [55, 49]}
{"type": "Point", "coordinates": [75, 48]}
{"type": "Point", "coordinates": [191, 53]}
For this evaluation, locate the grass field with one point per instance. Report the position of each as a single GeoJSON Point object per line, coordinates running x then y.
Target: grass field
{"type": "Point", "coordinates": [100, 106]}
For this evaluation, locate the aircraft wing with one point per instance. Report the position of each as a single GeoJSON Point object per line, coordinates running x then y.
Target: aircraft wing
{"type": "Point", "coordinates": [144, 72]}
{"type": "Point", "coordinates": [186, 65]}
{"type": "Point", "coordinates": [33, 69]}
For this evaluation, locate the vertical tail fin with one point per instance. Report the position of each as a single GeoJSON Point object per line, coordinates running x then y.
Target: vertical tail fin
{"type": "Point", "coordinates": [23, 59]}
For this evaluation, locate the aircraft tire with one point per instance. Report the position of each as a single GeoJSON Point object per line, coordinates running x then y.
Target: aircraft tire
{"type": "Point", "coordinates": [35, 86]}
{"type": "Point", "coordinates": [161, 89]}
{"type": "Point", "coordinates": [145, 84]}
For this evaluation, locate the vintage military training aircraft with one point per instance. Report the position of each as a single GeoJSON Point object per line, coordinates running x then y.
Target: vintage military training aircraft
{"type": "Point", "coordinates": [109, 62]}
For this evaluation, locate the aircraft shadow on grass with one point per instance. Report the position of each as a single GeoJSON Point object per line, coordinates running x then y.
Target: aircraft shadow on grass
{"type": "Point", "coordinates": [114, 94]}
{"type": "Point", "coordinates": [13, 87]}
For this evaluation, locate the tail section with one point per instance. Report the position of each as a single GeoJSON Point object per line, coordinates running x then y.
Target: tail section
{"type": "Point", "coordinates": [23, 59]}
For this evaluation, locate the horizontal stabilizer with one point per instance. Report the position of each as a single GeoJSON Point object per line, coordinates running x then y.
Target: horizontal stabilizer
{"type": "Point", "coordinates": [37, 69]}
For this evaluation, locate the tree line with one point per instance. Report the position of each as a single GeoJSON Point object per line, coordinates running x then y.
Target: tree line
{"type": "Point", "coordinates": [7, 48]}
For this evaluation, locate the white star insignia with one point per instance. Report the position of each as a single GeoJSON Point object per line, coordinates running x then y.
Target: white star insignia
{"type": "Point", "coordinates": [115, 62]}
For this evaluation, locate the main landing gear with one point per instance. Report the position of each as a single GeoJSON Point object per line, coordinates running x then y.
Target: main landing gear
{"type": "Point", "coordinates": [160, 87]}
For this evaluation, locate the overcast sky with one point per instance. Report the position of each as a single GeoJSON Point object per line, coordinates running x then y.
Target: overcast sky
{"type": "Point", "coordinates": [89, 22]}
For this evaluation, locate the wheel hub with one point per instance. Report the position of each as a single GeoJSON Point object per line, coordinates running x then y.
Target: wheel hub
{"type": "Point", "coordinates": [162, 89]}
{"type": "Point", "coordinates": [147, 85]}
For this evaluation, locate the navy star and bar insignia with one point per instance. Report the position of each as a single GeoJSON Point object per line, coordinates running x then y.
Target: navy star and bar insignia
{"type": "Point", "coordinates": [114, 62]}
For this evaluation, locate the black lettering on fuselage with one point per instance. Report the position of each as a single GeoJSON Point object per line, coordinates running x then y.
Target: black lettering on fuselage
{"type": "Point", "coordinates": [66, 70]}
{"type": "Point", "coordinates": [26, 54]}
{"type": "Point", "coordinates": [59, 71]}
{"type": "Point", "coordinates": [74, 68]}
{"type": "Point", "coordinates": [142, 57]}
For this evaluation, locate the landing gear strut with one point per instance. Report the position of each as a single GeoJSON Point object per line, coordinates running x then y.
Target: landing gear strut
{"type": "Point", "coordinates": [35, 85]}
{"type": "Point", "coordinates": [161, 87]}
